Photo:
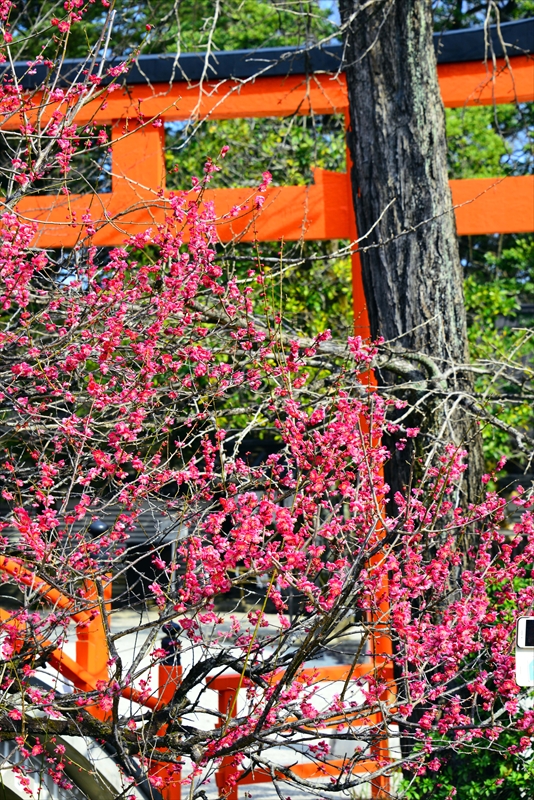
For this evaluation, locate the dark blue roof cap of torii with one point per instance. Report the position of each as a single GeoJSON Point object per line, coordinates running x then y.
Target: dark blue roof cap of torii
{"type": "Point", "coordinates": [452, 46]}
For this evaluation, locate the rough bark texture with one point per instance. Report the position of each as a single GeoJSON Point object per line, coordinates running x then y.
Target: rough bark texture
{"type": "Point", "coordinates": [411, 272]}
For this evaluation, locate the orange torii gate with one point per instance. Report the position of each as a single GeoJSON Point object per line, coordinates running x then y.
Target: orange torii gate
{"type": "Point", "coordinates": [276, 83]}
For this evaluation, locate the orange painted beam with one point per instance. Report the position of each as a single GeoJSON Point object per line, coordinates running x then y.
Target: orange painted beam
{"type": "Point", "coordinates": [472, 83]}
{"type": "Point", "coordinates": [233, 680]}
{"type": "Point", "coordinates": [465, 83]}
{"type": "Point", "coordinates": [322, 210]}
{"type": "Point", "coordinates": [274, 96]}
{"type": "Point", "coordinates": [318, 211]}
{"type": "Point", "coordinates": [54, 596]}
{"type": "Point", "coordinates": [312, 769]}
{"type": "Point", "coordinates": [494, 205]}
{"type": "Point", "coordinates": [82, 679]}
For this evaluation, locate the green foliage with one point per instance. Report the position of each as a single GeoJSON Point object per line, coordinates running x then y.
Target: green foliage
{"type": "Point", "coordinates": [487, 142]}
{"type": "Point", "coordinates": [456, 14]}
{"type": "Point", "coordinates": [499, 286]}
{"type": "Point", "coordinates": [323, 299]}
{"type": "Point", "coordinates": [495, 334]}
{"type": "Point", "coordinates": [246, 24]}
{"type": "Point", "coordinates": [478, 774]}
{"type": "Point", "coordinates": [185, 26]}
{"type": "Point", "coordinates": [289, 148]}
{"type": "Point", "coordinates": [307, 284]}
{"type": "Point", "coordinates": [499, 297]}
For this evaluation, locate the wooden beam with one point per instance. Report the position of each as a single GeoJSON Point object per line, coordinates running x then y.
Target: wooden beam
{"type": "Point", "coordinates": [494, 205]}
{"type": "Point", "coordinates": [322, 210]}
{"type": "Point", "coordinates": [463, 84]}
{"type": "Point", "coordinates": [472, 83]}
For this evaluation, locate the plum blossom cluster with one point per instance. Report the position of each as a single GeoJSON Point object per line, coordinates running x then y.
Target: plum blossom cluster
{"type": "Point", "coordinates": [143, 382]}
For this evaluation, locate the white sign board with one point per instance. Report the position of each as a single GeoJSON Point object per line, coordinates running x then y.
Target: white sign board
{"type": "Point", "coordinates": [524, 652]}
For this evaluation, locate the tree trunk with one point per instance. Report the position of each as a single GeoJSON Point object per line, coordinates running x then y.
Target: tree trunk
{"type": "Point", "coordinates": [412, 274]}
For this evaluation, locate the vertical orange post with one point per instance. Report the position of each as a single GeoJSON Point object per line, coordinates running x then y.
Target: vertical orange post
{"type": "Point", "coordinates": [381, 647]}
{"type": "Point", "coordinates": [169, 678]}
{"type": "Point", "coordinates": [138, 160]}
{"type": "Point", "coordinates": [359, 305]}
{"type": "Point", "coordinates": [20, 627]}
{"type": "Point", "coordinates": [381, 651]}
{"type": "Point", "coordinates": [172, 788]}
{"type": "Point", "coordinates": [91, 646]}
{"type": "Point", "coordinates": [92, 652]}
{"type": "Point", "coordinates": [227, 705]}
